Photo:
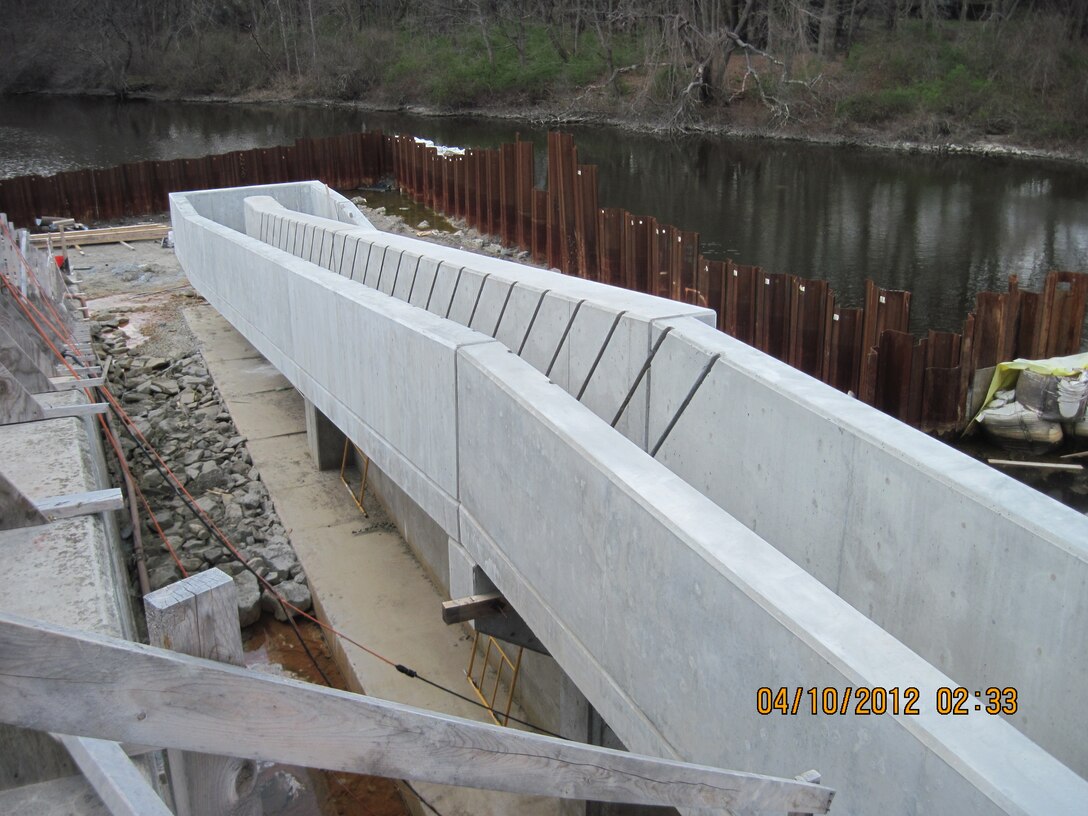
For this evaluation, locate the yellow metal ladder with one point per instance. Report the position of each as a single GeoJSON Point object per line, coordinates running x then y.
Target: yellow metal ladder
{"type": "Point", "coordinates": [348, 444]}
{"type": "Point", "coordinates": [498, 661]}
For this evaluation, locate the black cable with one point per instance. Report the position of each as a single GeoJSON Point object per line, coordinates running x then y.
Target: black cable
{"type": "Point", "coordinates": [223, 540]}
{"type": "Point", "coordinates": [419, 796]}
{"type": "Point", "coordinates": [298, 634]}
{"type": "Point", "coordinates": [417, 676]}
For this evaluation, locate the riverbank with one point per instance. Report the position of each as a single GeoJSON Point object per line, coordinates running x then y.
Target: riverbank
{"type": "Point", "coordinates": [993, 83]}
{"type": "Point", "coordinates": [659, 123]}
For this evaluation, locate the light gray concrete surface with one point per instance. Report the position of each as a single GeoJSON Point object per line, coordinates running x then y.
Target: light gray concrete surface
{"type": "Point", "coordinates": [982, 576]}
{"type": "Point", "coordinates": [624, 570]}
{"type": "Point", "coordinates": [67, 796]}
{"type": "Point", "coordinates": [640, 568]}
{"type": "Point", "coordinates": [67, 572]}
{"type": "Point", "coordinates": [565, 327]}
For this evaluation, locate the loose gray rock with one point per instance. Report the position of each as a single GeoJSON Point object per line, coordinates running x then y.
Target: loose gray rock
{"type": "Point", "coordinates": [298, 595]}
{"type": "Point", "coordinates": [249, 597]}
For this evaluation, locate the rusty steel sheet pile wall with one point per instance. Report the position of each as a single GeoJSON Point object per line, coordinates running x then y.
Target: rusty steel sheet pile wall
{"type": "Point", "coordinates": [868, 351]}
{"type": "Point", "coordinates": [140, 188]}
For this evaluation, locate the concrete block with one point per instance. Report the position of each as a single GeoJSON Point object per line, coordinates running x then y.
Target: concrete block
{"type": "Point", "coordinates": [307, 246]}
{"type": "Point", "coordinates": [447, 279]}
{"type": "Point", "coordinates": [387, 278]}
{"type": "Point", "coordinates": [675, 369]}
{"type": "Point", "coordinates": [325, 440]}
{"type": "Point", "coordinates": [463, 571]}
{"type": "Point", "coordinates": [360, 258]}
{"type": "Point", "coordinates": [490, 305]}
{"type": "Point", "coordinates": [374, 263]}
{"type": "Point", "coordinates": [424, 282]}
{"type": "Point", "coordinates": [646, 645]}
{"type": "Point", "coordinates": [325, 249]}
{"type": "Point", "coordinates": [466, 298]}
{"type": "Point", "coordinates": [519, 311]}
{"type": "Point", "coordinates": [544, 332]}
{"type": "Point", "coordinates": [406, 276]}
{"type": "Point", "coordinates": [615, 376]}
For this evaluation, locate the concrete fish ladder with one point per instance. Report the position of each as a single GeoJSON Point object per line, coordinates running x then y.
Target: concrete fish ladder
{"type": "Point", "coordinates": [667, 611]}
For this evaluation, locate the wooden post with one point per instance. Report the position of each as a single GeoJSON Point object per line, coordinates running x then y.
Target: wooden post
{"type": "Point", "coordinates": [198, 616]}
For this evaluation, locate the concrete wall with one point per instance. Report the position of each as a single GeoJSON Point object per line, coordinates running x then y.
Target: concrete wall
{"type": "Point", "coordinates": [669, 614]}
{"type": "Point", "coordinates": [666, 611]}
{"type": "Point", "coordinates": [588, 338]}
{"type": "Point", "coordinates": [983, 577]}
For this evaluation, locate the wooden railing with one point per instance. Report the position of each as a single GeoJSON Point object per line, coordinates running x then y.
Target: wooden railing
{"type": "Point", "coordinates": [71, 682]}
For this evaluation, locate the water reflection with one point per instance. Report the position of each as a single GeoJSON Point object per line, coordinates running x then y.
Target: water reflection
{"type": "Point", "coordinates": [943, 227]}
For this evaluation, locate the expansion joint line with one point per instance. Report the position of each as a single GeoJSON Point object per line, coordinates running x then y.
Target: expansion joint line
{"type": "Point", "coordinates": [502, 311]}
{"type": "Point", "coordinates": [563, 339]}
{"type": "Point", "coordinates": [453, 294]}
{"type": "Point", "coordinates": [476, 303]}
{"type": "Point", "coordinates": [641, 373]}
{"type": "Point", "coordinates": [683, 405]}
{"type": "Point", "coordinates": [600, 354]}
{"type": "Point", "coordinates": [532, 321]}
{"type": "Point", "coordinates": [415, 276]}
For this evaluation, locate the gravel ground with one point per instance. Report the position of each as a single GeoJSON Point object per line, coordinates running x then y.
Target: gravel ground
{"type": "Point", "coordinates": [136, 296]}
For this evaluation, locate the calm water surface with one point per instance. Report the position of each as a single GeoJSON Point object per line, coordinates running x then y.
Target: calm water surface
{"type": "Point", "coordinates": [943, 227]}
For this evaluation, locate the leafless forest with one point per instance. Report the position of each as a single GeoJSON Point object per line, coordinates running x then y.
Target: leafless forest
{"type": "Point", "coordinates": [923, 69]}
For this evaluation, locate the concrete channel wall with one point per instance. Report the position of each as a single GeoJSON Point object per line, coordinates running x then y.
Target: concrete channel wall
{"type": "Point", "coordinates": [668, 612]}
{"type": "Point", "coordinates": [986, 579]}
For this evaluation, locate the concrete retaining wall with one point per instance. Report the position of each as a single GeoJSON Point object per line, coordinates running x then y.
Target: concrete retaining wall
{"type": "Point", "coordinates": [589, 338]}
{"type": "Point", "coordinates": [985, 578]}
{"type": "Point", "coordinates": [667, 611]}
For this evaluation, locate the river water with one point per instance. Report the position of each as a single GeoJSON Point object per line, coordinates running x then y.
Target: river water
{"type": "Point", "coordinates": [942, 227]}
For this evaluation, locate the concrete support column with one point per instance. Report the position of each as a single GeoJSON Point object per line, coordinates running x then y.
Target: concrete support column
{"type": "Point", "coordinates": [326, 441]}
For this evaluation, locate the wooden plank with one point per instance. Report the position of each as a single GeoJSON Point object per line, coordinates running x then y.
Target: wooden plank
{"type": "Point", "coordinates": [1038, 465]}
{"type": "Point", "coordinates": [64, 680]}
{"type": "Point", "coordinates": [16, 403]}
{"type": "Point", "coordinates": [83, 409]}
{"type": "Point", "coordinates": [111, 235]}
{"type": "Point", "coordinates": [118, 783]}
{"type": "Point", "coordinates": [198, 616]}
{"type": "Point", "coordinates": [16, 510]}
{"type": "Point", "coordinates": [68, 383]}
{"type": "Point", "coordinates": [460, 610]}
{"type": "Point", "coordinates": [81, 504]}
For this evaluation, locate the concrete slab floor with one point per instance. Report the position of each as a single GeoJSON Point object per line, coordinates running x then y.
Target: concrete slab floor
{"type": "Point", "coordinates": [366, 582]}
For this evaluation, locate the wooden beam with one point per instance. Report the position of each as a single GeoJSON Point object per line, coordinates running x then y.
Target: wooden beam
{"type": "Point", "coordinates": [460, 610]}
{"type": "Point", "coordinates": [198, 616]}
{"type": "Point", "coordinates": [80, 504]}
{"type": "Point", "coordinates": [68, 383]}
{"type": "Point", "coordinates": [82, 409]}
{"type": "Point", "coordinates": [1037, 465]}
{"type": "Point", "coordinates": [64, 680]}
{"type": "Point", "coordinates": [118, 783]}
{"type": "Point", "coordinates": [16, 510]}
{"type": "Point", "coordinates": [109, 235]}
